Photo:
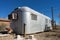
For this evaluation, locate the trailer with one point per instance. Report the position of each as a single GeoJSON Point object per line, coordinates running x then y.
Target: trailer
{"type": "Point", "coordinates": [25, 20]}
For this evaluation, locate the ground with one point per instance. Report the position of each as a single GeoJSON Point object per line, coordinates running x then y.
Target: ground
{"type": "Point", "coordinates": [52, 35]}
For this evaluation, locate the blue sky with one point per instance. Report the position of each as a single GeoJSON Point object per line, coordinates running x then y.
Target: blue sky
{"type": "Point", "coordinates": [43, 6]}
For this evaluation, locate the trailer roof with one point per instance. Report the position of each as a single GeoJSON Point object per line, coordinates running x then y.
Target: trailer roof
{"type": "Point", "coordinates": [25, 8]}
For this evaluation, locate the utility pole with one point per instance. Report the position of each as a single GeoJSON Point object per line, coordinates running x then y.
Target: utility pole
{"type": "Point", "coordinates": [53, 22]}
{"type": "Point", "coordinates": [52, 13]}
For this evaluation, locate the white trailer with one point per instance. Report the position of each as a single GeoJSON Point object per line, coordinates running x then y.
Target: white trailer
{"type": "Point", "coordinates": [25, 20]}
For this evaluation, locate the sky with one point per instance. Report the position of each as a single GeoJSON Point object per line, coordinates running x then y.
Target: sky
{"type": "Point", "coordinates": [42, 6]}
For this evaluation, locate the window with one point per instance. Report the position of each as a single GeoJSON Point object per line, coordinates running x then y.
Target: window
{"type": "Point", "coordinates": [49, 21]}
{"type": "Point", "coordinates": [33, 17]}
{"type": "Point", "coordinates": [46, 20]}
{"type": "Point", "coordinates": [9, 16]}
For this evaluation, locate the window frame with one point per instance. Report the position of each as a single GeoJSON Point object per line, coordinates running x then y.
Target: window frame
{"type": "Point", "coordinates": [33, 17]}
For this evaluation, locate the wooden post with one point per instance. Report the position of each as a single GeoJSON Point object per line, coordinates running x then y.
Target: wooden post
{"type": "Point", "coordinates": [53, 22]}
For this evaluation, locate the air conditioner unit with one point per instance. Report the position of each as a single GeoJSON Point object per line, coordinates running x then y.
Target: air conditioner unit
{"type": "Point", "coordinates": [12, 16]}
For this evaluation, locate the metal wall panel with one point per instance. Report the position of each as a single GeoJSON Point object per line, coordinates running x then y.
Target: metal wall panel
{"type": "Point", "coordinates": [31, 26]}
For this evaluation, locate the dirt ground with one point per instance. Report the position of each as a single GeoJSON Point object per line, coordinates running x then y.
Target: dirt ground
{"type": "Point", "coordinates": [52, 35]}
{"type": "Point", "coordinates": [6, 37]}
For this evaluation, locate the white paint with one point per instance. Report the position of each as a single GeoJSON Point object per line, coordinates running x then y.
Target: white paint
{"type": "Point", "coordinates": [19, 37]}
{"type": "Point", "coordinates": [33, 38]}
